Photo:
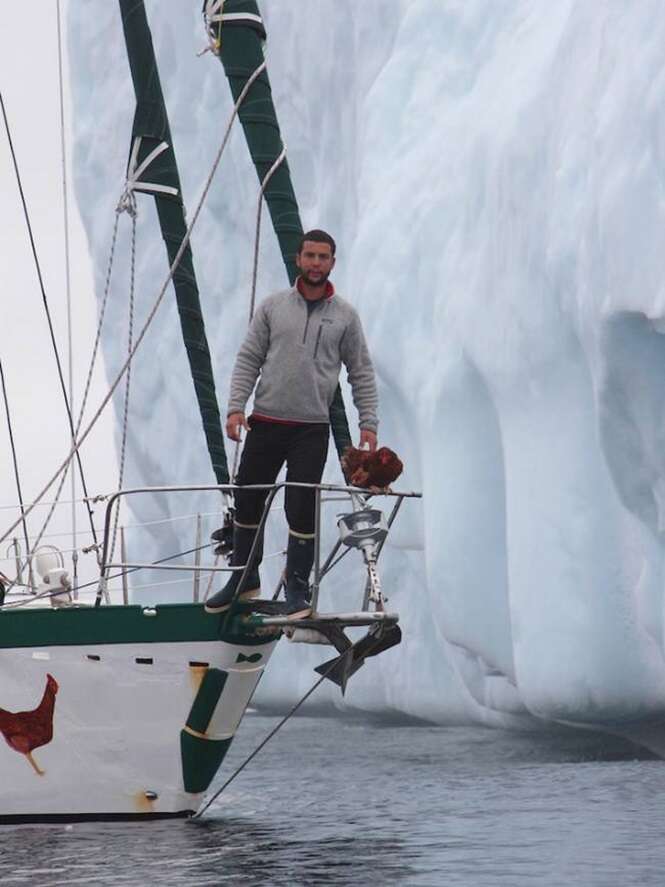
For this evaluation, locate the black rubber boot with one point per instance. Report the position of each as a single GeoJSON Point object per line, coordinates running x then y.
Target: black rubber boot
{"type": "Point", "coordinates": [299, 560]}
{"type": "Point", "coordinates": [243, 539]}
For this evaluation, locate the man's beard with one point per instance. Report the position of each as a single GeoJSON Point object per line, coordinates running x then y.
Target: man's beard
{"type": "Point", "coordinates": [321, 281]}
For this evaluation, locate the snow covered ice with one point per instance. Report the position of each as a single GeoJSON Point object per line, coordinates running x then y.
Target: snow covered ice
{"type": "Point", "coordinates": [493, 172]}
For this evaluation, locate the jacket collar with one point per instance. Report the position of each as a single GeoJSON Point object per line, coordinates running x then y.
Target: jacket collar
{"type": "Point", "coordinates": [328, 294]}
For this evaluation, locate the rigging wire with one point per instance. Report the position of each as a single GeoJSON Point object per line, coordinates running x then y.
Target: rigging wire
{"type": "Point", "coordinates": [46, 503]}
{"type": "Point", "coordinates": [100, 322]}
{"type": "Point", "coordinates": [17, 475]}
{"type": "Point", "coordinates": [68, 290]}
{"type": "Point", "coordinates": [139, 339]}
{"type": "Point", "coordinates": [75, 452]}
{"type": "Point", "coordinates": [122, 207]}
{"type": "Point", "coordinates": [126, 204]}
{"type": "Point", "coordinates": [95, 583]}
{"type": "Point", "coordinates": [211, 569]}
{"type": "Point", "coordinates": [149, 523]}
{"type": "Point", "coordinates": [88, 382]}
{"type": "Point", "coordinates": [199, 813]}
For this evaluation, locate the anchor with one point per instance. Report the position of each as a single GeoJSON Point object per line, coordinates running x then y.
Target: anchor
{"type": "Point", "coordinates": [365, 529]}
{"type": "Point", "coordinates": [379, 638]}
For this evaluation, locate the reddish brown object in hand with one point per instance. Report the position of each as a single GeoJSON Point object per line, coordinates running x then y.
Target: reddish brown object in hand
{"type": "Point", "coordinates": [25, 731]}
{"type": "Point", "coordinates": [365, 469]}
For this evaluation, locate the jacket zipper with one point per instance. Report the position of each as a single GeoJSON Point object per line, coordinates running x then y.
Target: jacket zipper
{"type": "Point", "coordinates": [306, 326]}
{"type": "Point", "coordinates": [318, 339]}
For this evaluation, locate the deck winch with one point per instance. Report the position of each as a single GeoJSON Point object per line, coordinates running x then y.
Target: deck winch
{"type": "Point", "coordinates": [366, 529]}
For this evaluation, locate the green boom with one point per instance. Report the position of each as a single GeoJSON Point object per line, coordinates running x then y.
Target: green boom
{"type": "Point", "coordinates": [240, 36]}
{"type": "Point", "coordinates": [149, 132]}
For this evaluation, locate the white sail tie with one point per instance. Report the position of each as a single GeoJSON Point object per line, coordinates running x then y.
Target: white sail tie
{"type": "Point", "coordinates": [241, 17]}
{"type": "Point", "coordinates": [134, 173]}
{"type": "Point", "coordinates": [213, 14]}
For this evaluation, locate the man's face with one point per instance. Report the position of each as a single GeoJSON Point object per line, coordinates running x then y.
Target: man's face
{"type": "Point", "coordinates": [315, 262]}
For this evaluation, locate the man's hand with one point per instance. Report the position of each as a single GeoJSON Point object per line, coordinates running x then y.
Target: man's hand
{"type": "Point", "coordinates": [234, 422]}
{"type": "Point", "coordinates": [367, 439]}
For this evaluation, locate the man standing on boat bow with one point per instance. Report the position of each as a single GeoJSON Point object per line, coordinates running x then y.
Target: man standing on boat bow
{"type": "Point", "coordinates": [296, 344]}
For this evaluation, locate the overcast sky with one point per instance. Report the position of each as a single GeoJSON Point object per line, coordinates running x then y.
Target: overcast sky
{"type": "Point", "coordinates": [29, 84]}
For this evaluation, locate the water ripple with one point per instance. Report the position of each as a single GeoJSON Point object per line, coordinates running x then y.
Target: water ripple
{"type": "Point", "coordinates": [332, 802]}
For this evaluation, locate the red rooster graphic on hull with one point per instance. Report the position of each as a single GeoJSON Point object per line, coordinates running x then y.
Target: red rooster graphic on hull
{"type": "Point", "coordinates": [25, 731]}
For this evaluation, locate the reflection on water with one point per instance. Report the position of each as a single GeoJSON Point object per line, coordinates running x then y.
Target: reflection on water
{"type": "Point", "coordinates": [339, 802]}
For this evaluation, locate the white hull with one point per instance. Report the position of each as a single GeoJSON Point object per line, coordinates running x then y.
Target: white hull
{"type": "Point", "coordinates": [117, 724]}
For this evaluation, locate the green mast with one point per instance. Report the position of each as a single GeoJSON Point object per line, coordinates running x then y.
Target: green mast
{"type": "Point", "coordinates": [151, 135]}
{"type": "Point", "coordinates": [237, 30]}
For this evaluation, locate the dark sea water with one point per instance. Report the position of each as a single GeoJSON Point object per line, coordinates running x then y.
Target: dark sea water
{"type": "Point", "coordinates": [341, 802]}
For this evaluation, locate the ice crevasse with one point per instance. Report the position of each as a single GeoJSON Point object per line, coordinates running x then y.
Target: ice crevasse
{"type": "Point", "coordinates": [494, 172]}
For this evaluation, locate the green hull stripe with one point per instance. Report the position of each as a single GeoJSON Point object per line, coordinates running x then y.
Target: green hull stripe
{"type": "Point", "coordinates": [206, 699]}
{"type": "Point", "coordinates": [116, 625]}
{"type": "Point", "coordinates": [201, 759]}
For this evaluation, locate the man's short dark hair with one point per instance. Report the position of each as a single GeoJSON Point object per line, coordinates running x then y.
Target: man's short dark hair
{"type": "Point", "coordinates": [317, 236]}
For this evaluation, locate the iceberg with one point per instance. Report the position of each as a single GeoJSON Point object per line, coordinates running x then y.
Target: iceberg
{"type": "Point", "coordinates": [493, 172]}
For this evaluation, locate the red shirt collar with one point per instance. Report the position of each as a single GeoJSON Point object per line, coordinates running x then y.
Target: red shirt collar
{"type": "Point", "coordinates": [328, 294]}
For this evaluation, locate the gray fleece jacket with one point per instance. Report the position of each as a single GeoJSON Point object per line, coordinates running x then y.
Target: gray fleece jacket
{"type": "Point", "coordinates": [298, 353]}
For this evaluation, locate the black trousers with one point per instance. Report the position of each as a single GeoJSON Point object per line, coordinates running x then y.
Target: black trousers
{"type": "Point", "coordinates": [268, 446]}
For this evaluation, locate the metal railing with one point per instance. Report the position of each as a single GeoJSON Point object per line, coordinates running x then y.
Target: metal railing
{"type": "Point", "coordinates": [356, 497]}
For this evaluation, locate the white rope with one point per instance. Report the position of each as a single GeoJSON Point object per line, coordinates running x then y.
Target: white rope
{"type": "Point", "coordinates": [257, 238]}
{"type": "Point", "coordinates": [125, 415]}
{"type": "Point", "coordinates": [130, 209]}
{"type": "Point", "coordinates": [139, 339]}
